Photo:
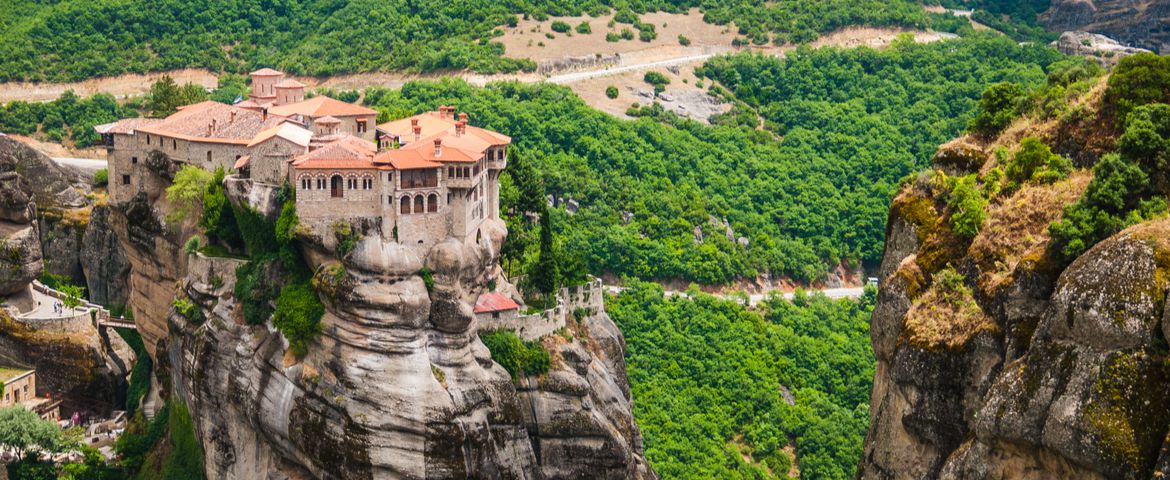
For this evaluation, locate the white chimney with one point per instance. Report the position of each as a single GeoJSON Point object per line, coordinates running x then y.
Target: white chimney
{"type": "Point", "coordinates": [438, 147]}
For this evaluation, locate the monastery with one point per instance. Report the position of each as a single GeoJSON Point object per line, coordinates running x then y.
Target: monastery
{"type": "Point", "coordinates": [426, 178]}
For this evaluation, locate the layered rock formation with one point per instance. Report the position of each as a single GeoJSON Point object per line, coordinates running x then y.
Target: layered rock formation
{"type": "Point", "coordinates": [995, 360]}
{"type": "Point", "coordinates": [71, 356]}
{"type": "Point", "coordinates": [1136, 23]}
{"type": "Point", "coordinates": [1105, 50]}
{"type": "Point", "coordinates": [397, 385]}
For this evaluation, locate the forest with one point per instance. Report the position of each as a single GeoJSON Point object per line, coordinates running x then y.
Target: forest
{"type": "Point", "coordinates": [78, 39]}
{"type": "Point", "coordinates": [721, 390]}
{"type": "Point", "coordinates": [808, 192]}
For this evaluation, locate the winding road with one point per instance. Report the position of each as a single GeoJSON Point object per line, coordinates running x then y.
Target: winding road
{"type": "Point", "coordinates": [756, 298]}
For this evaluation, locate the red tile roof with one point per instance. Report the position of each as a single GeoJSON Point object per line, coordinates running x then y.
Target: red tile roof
{"type": "Point", "coordinates": [289, 83]}
{"type": "Point", "coordinates": [321, 106]}
{"type": "Point", "coordinates": [347, 152]}
{"type": "Point", "coordinates": [495, 302]}
{"type": "Point", "coordinates": [242, 162]}
{"type": "Point", "coordinates": [126, 126]}
{"type": "Point", "coordinates": [267, 72]}
{"type": "Point", "coordinates": [191, 122]}
{"type": "Point", "coordinates": [288, 131]}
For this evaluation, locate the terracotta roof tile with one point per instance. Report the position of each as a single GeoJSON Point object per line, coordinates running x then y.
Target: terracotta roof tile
{"type": "Point", "coordinates": [288, 131]}
{"type": "Point", "coordinates": [192, 121]}
{"type": "Point", "coordinates": [495, 302]}
{"type": "Point", "coordinates": [125, 126]}
{"type": "Point", "coordinates": [266, 72]}
{"type": "Point", "coordinates": [346, 152]}
{"type": "Point", "coordinates": [242, 162]}
{"type": "Point", "coordinates": [321, 106]}
{"type": "Point", "coordinates": [289, 83]}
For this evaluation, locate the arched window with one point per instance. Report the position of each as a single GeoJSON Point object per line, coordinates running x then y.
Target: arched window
{"type": "Point", "coordinates": [405, 209]}
{"type": "Point", "coordinates": [336, 188]}
{"type": "Point", "coordinates": [478, 236]}
{"type": "Point", "coordinates": [433, 202]}
{"type": "Point", "coordinates": [418, 204]}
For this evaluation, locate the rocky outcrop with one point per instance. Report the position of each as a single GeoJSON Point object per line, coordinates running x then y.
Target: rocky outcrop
{"type": "Point", "coordinates": [1046, 372]}
{"type": "Point", "coordinates": [105, 266]}
{"type": "Point", "coordinates": [47, 183]}
{"type": "Point", "coordinates": [20, 256]}
{"type": "Point", "coordinates": [1105, 50]}
{"type": "Point", "coordinates": [74, 361]}
{"type": "Point", "coordinates": [398, 383]}
{"type": "Point", "coordinates": [1136, 23]}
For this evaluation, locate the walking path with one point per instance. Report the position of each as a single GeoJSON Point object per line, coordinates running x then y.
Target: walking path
{"type": "Point", "coordinates": [82, 163]}
{"type": "Point", "coordinates": [756, 298]}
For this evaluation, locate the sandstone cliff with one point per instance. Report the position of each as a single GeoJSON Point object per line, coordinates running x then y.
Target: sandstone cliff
{"type": "Point", "coordinates": [398, 383]}
{"type": "Point", "coordinates": [71, 356]}
{"type": "Point", "coordinates": [1137, 23]}
{"type": "Point", "coordinates": [995, 360]}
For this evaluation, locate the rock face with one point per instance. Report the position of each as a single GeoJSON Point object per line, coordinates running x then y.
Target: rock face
{"type": "Point", "coordinates": [1136, 23]}
{"type": "Point", "coordinates": [1099, 47]}
{"type": "Point", "coordinates": [1068, 374]}
{"type": "Point", "coordinates": [398, 383]}
{"type": "Point", "coordinates": [48, 183]}
{"type": "Point", "coordinates": [20, 248]}
{"type": "Point", "coordinates": [105, 266]}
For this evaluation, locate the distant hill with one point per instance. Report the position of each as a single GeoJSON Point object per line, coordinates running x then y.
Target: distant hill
{"type": "Point", "coordinates": [78, 39]}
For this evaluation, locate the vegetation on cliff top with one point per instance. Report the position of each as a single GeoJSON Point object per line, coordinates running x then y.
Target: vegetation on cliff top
{"type": "Point", "coordinates": [79, 39]}
{"type": "Point", "coordinates": [706, 372]}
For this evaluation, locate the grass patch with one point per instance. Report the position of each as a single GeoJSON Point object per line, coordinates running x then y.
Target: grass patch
{"type": "Point", "coordinates": [517, 356]}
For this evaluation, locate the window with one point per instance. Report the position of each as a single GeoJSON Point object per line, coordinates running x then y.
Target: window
{"type": "Point", "coordinates": [450, 172]}
{"type": "Point", "coordinates": [209, 156]}
{"type": "Point", "coordinates": [448, 198]}
{"type": "Point", "coordinates": [174, 144]}
{"type": "Point", "coordinates": [335, 190]}
{"type": "Point", "coordinates": [418, 204]}
{"type": "Point", "coordinates": [134, 160]}
{"type": "Point", "coordinates": [125, 179]}
{"type": "Point", "coordinates": [405, 209]}
{"type": "Point", "coordinates": [390, 177]}
{"type": "Point", "coordinates": [433, 203]}
{"type": "Point", "coordinates": [361, 126]}
{"type": "Point", "coordinates": [495, 314]}
{"type": "Point", "coordinates": [148, 139]}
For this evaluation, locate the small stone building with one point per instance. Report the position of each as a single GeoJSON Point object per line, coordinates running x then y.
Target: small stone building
{"type": "Point", "coordinates": [497, 309]}
{"type": "Point", "coordinates": [20, 388]}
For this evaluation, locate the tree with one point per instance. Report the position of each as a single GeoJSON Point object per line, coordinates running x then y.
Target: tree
{"type": "Point", "coordinates": [1146, 141]}
{"type": "Point", "coordinates": [1138, 80]}
{"type": "Point", "coordinates": [73, 295]}
{"type": "Point", "coordinates": [185, 195]}
{"type": "Point", "coordinates": [527, 182]}
{"type": "Point", "coordinates": [997, 109]}
{"type": "Point", "coordinates": [164, 97]}
{"type": "Point", "coordinates": [545, 274]}
{"type": "Point", "coordinates": [967, 205]}
{"type": "Point", "coordinates": [24, 432]}
{"type": "Point", "coordinates": [611, 92]}
{"type": "Point", "coordinates": [1036, 160]}
{"type": "Point", "coordinates": [218, 220]}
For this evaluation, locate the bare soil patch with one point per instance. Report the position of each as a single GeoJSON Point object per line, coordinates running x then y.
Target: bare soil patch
{"type": "Point", "coordinates": [121, 86]}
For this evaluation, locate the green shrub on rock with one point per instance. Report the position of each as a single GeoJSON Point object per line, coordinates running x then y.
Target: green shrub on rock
{"type": "Point", "coordinates": [517, 356]}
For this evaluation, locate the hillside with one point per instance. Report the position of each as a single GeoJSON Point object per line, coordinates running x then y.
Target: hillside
{"type": "Point", "coordinates": [1020, 329]}
{"type": "Point", "coordinates": [80, 39]}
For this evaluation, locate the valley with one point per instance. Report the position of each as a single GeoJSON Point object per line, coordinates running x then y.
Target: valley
{"type": "Point", "coordinates": [797, 239]}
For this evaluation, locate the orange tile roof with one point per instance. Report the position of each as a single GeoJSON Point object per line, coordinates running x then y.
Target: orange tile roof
{"type": "Point", "coordinates": [495, 302]}
{"type": "Point", "coordinates": [286, 130]}
{"type": "Point", "coordinates": [266, 72]}
{"type": "Point", "coordinates": [242, 162]}
{"type": "Point", "coordinates": [125, 126]}
{"type": "Point", "coordinates": [289, 83]}
{"type": "Point", "coordinates": [346, 152]}
{"type": "Point", "coordinates": [433, 123]}
{"type": "Point", "coordinates": [321, 106]}
{"type": "Point", "coordinates": [191, 123]}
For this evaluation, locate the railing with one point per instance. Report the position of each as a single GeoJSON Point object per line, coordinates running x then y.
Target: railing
{"type": "Point", "coordinates": [100, 315]}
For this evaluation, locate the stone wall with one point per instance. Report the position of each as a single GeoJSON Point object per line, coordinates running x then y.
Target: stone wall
{"type": "Point", "coordinates": [586, 62]}
{"type": "Point", "coordinates": [588, 297]}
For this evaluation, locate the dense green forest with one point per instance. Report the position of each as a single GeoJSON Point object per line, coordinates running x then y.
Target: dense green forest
{"type": "Point", "coordinates": [710, 380]}
{"type": "Point", "coordinates": [843, 126]}
{"type": "Point", "coordinates": [79, 39]}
